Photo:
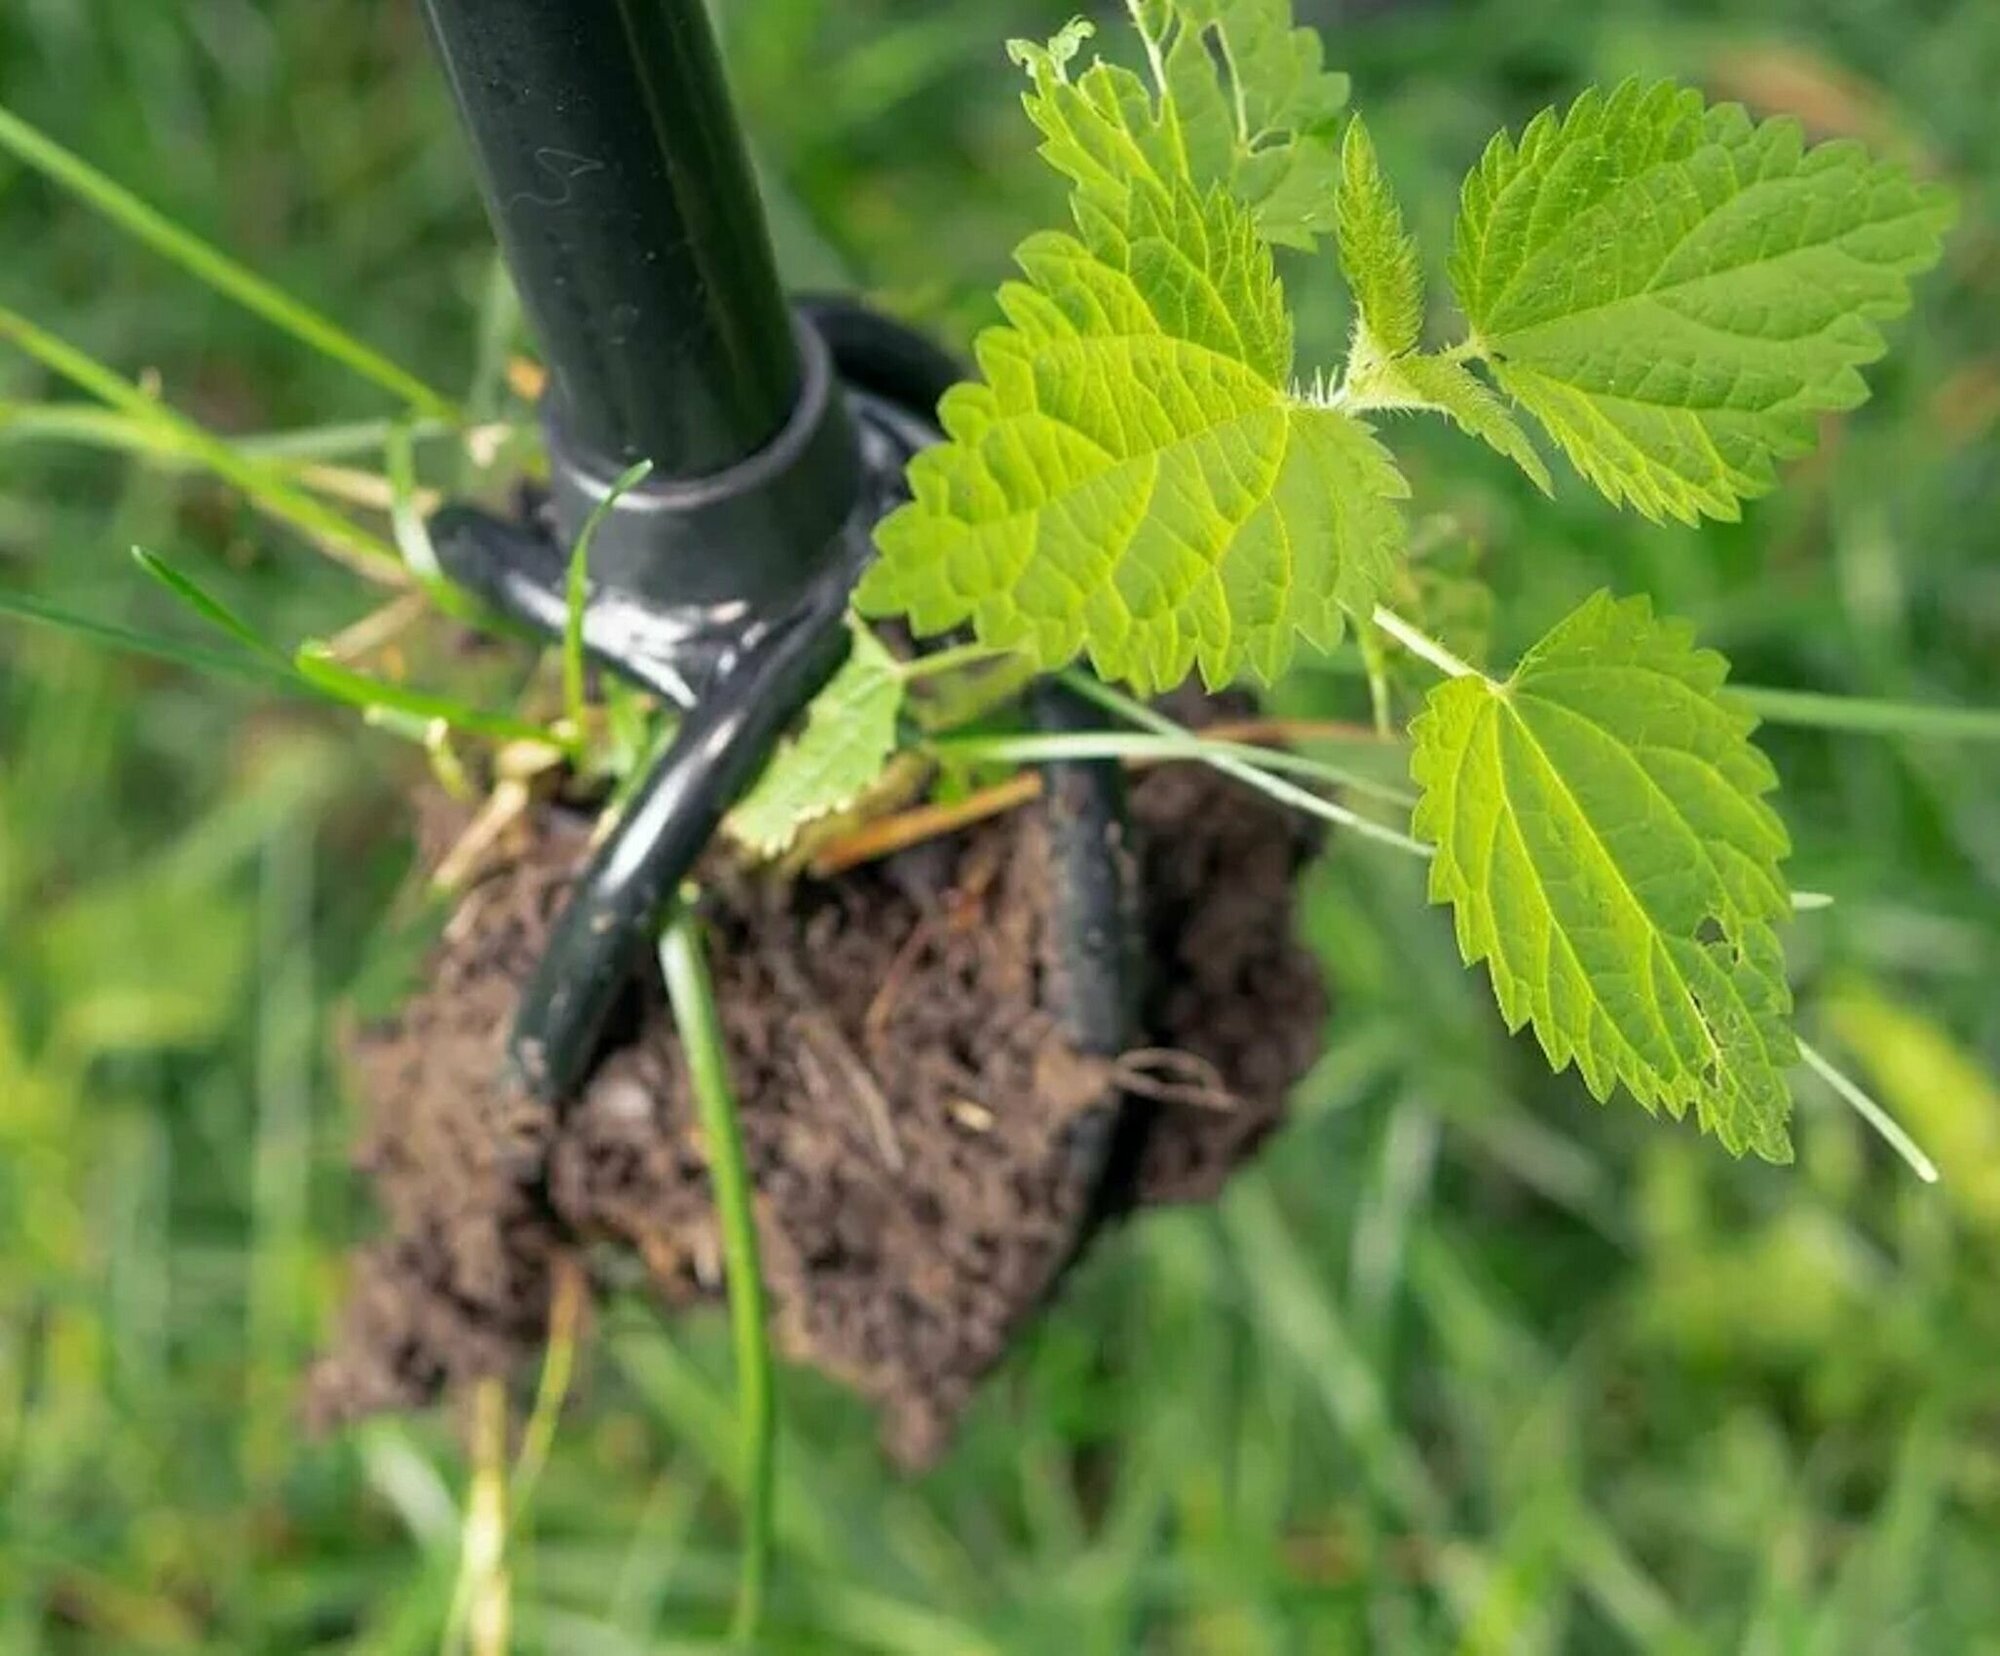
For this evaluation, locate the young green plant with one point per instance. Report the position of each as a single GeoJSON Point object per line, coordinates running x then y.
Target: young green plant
{"type": "Point", "coordinates": [1145, 478]}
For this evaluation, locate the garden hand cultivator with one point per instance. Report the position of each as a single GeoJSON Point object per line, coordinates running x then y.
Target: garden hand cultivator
{"type": "Point", "coordinates": [617, 181]}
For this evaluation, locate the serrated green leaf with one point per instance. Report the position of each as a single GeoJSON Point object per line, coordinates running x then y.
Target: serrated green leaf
{"type": "Point", "coordinates": [1269, 131]}
{"type": "Point", "coordinates": [1377, 255]}
{"type": "Point", "coordinates": [1278, 110]}
{"type": "Point", "coordinates": [1607, 849]}
{"type": "Point", "coordinates": [1102, 129]}
{"type": "Point", "coordinates": [1277, 68]}
{"type": "Point", "coordinates": [1264, 132]}
{"type": "Point", "coordinates": [848, 739]}
{"type": "Point", "coordinates": [1676, 293]}
{"type": "Point", "coordinates": [1134, 480]}
{"type": "Point", "coordinates": [1384, 273]}
{"type": "Point", "coordinates": [1453, 390]}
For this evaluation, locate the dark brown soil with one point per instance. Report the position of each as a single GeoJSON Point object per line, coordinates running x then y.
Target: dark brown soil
{"type": "Point", "coordinates": [912, 1111]}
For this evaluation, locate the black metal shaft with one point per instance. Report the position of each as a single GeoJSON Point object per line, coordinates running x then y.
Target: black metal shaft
{"type": "Point", "coordinates": [618, 185]}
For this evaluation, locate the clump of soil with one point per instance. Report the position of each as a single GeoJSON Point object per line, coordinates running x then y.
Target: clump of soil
{"type": "Point", "coordinates": [916, 1121]}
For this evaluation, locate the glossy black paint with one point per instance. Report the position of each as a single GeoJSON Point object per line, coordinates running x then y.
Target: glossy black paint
{"type": "Point", "coordinates": [618, 186]}
{"type": "Point", "coordinates": [741, 671]}
{"type": "Point", "coordinates": [606, 930]}
{"type": "Point", "coordinates": [617, 182]}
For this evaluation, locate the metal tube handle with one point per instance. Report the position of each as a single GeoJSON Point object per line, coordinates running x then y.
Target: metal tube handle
{"type": "Point", "coordinates": [617, 182]}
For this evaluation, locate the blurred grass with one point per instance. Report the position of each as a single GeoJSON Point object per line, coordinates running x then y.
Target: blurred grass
{"type": "Point", "coordinates": [1470, 1365]}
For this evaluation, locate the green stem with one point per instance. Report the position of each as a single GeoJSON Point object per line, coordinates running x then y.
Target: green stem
{"type": "Point", "coordinates": [1423, 646]}
{"type": "Point", "coordinates": [85, 423]}
{"type": "Point", "coordinates": [577, 592]}
{"type": "Point", "coordinates": [700, 1024]}
{"type": "Point", "coordinates": [1285, 793]}
{"type": "Point", "coordinates": [404, 708]}
{"type": "Point", "coordinates": [1860, 715]}
{"type": "Point", "coordinates": [343, 440]}
{"type": "Point", "coordinates": [552, 1390]}
{"type": "Point", "coordinates": [209, 265]}
{"type": "Point", "coordinates": [407, 525]}
{"type": "Point", "coordinates": [1109, 744]}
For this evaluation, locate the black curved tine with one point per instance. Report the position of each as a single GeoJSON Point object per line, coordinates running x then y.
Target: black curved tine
{"type": "Point", "coordinates": [520, 573]}
{"type": "Point", "coordinates": [615, 908]}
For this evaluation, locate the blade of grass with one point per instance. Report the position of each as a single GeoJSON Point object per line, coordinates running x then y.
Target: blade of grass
{"type": "Point", "coordinates": [421, 717]}
{"type": "Point", "coordinates": [39, 612]}
{"type": "Point", "coordinates": [576, 593]}
{"type": "Point", "coordinates": [415, 714]}
{"type": "Point", "coordinates": [78, 422]}
{"type": "Point", "coordinates": [413, 535]}
{"type": "Point", "coordinates": [373, 695]}
{"type": "Point", "coordinates": [334, 533]}
{"type": "Point", "coordinates": [653, 1548]}
{"type": "Point", "coordinates": [211, 266]}
{"type": "Point", "coordinates": [1279, 789]}
{"type": "Point", "coordinates": [1029, 750]}
{"type": "Point", "coordinates": [1290, 1305]}
{"type": "Point", "coordinates": [1864, 716]}
{"type": "Point", "coordinates": [695, 1014]}
{"type": "Point", "coordinates": [209, 607]}
{"type": "Point", "coordinates": [280, 1262]}
{"type": "Point", "coordinates": [482, 1597]}
{"type": "Point", "coordinates": [690, 1410]}
{"type": "Point", "coordinates": [341, 440]}
{"type": "Point", "coordinates": [1851, 1094]}
{"type": "Point", "coordinates": [413, 540]}
{"type": "Point", "coordinates": [567, 1301]}
{"type": "Point", "coordinates": [952, 660]}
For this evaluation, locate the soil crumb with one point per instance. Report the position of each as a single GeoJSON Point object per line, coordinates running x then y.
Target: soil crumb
{"type": "Point", "coordinates": [914, 1117]}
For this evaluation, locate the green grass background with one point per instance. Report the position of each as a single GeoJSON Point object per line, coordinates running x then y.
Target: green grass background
{"type": "Point", "coordinates": [1470, 1364]}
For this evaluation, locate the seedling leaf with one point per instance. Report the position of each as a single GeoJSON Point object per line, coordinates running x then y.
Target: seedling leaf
{"type": "Point", "coordinates": [1605, 844]}
{"type": "Point", "coordinates": [1377, 255]}
{"type": "Point", "coordinates": [1134, 480]}
{"type": "Point", "coordinates": [849, 736]}
{"type": "Point", "coordinates": [207, 264]}
{"type": "Point", "coordinates": [1445, 387]}
{"type": "Point", "coordinates": [1238, 97]}
{"type": "Point", "coordinates": [1267, 132]}
{"type": "Point", "coordinates": [1677, 293]}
